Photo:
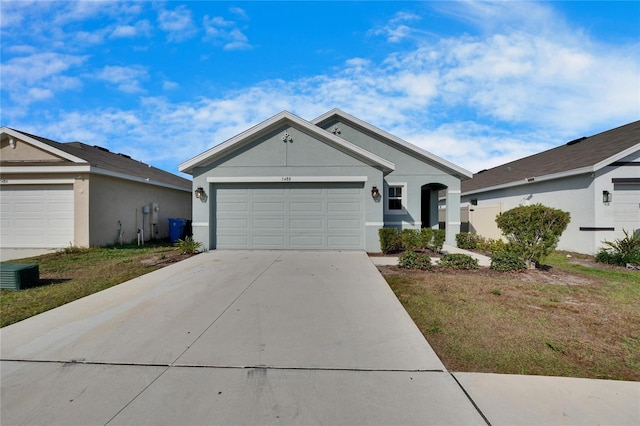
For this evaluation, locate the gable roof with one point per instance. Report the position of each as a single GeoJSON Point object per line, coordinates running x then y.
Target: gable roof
{"type": "Point", "coordinates": [396, 142]}
{"type": "Point", "coordinates": [98, 160]}
{"type": "Point", "coordinates": [278, 120]}
{"type": "Point", "coordinates": [583, 155]}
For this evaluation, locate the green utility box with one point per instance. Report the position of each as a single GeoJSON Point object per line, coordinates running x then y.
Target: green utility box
{"type": "Point", "coordinates": [16, 276]}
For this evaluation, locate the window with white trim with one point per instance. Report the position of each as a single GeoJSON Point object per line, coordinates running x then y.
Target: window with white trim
{"type": "Point", "coordinates": [396, 198]}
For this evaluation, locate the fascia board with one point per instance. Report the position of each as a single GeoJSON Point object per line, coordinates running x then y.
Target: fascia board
{"type": "Point", "coordinates": [44, 169]}
{"type": "Point", "coordinates": [30, 170]}
{"type": "Point", "coordinates": [124, 176]}
{"type": "Point", "coordinates": [407, 147]}
{"type": "Point", "coordinates": [617, 157]}
{"type": "Point", "coordinates": [537, 179]}
{"type": "Point", "coordinates": [41, 145]}
{"type": "Point", "coordinates": [237, 141]}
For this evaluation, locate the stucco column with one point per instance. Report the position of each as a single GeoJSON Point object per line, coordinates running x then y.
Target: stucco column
{"type": "Point", "coordinates": [453, 215]}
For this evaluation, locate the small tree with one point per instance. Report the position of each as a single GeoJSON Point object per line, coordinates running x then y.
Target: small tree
{"type": "Point", "coordinates": [533, 231]}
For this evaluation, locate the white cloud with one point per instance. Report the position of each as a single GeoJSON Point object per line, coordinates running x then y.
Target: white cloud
{"type": "Point", "coordinates": [178, 24]}
{"type": "Point", "coordinates": [126, 79]}
{"type": "Point", "coordinates": [169, 85]}
{"type": "Point", "coordinates": [140, 28]}
{"type": "Point", "coordinates": [221, 31]}
{"type": "Point", "coordinates": [35, 77]}
{"type": "Point", "coordinates": [397, 30]}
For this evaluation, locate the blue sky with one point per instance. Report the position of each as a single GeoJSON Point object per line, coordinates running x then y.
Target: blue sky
{"type": "Point", "coordinates": [478, 83]}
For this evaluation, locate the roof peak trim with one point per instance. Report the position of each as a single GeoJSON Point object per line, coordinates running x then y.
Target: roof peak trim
{"type": "Point", "coordinates": [408, 146]}
{"type": "Point", "coordinates": [237, 141]}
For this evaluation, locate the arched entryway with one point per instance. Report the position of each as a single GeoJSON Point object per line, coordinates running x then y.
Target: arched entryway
{"type": "Point", "coordinates": [429, 202]}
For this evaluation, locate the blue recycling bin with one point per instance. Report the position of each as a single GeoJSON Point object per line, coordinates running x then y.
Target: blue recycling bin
{"type": "Point", "coordinates": [176, 229]}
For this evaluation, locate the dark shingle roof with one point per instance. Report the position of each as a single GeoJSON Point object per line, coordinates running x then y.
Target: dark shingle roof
{"type": "Point", "coordinates": [577, 154]}
{"type": "Point", "coordinates": [119, 163]}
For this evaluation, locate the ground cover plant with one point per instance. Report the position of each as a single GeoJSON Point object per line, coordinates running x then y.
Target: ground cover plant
{"type": "Point", "coordinates": [76, 272]}
{"type": "Point", "coordinates": [574, 317]}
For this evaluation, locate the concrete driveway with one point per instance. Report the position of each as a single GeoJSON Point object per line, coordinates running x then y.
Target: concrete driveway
{"type": "Point", "coordinates": [246, 337]}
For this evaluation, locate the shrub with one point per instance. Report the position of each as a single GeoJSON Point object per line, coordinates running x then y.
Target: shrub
{"type": "Point", "coordinates": [466, 240]}
{"type": "Point", "coordinates": [533, 231]}
{"type": "Point", "coordinates": [490, 245]}
{"type": "Point", "coordinates": [426, 235]}
{"type": "Point", "coordinates": [188, 245]}
{"type": "Point", "coordinates": [621, 251]}
{"type": "Point", "coordinates": [504, 261]}
{"type": "Point", "coordinates": [413, 260]}
{"type": "Point", "coordinates": [410, 239]}
{"type": "Point", "coordinates": [389, 240]}
{"type": "Point", "coordinates": [458, 261]}
{"type": "Point", "coordinates": [439, 236]}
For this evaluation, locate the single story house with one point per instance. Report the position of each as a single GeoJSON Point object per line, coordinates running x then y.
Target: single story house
{"type": "Point", "coordinates": [596, 179]}
{"type": "Point", "coordinates": [329, 183]}
{"type": "Point", "coordinates": [54, 195]}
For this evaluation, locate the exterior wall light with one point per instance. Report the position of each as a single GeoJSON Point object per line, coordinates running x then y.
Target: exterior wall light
{"type": "Point", "coordinates": [199, 192]}
{"type": "Point", "coordinates": [606, 197]}
{"type": "Point", "coordinates": [375, 193]}
{"type": "Point", "coordinates": [12, 143]}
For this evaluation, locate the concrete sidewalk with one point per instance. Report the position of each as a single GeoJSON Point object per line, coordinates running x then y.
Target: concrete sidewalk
{"type": "Point", "coordinates": [266, 337]}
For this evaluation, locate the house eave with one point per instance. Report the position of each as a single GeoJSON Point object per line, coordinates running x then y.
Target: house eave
{"type": "Point", "coordinates": [284, 117]}
{"type": "Point", "coordinates": [531, 180]}
{"type": "Point", "coordinates": [41, 145]}
{"type": "Point", "coordinates": [30, 170]}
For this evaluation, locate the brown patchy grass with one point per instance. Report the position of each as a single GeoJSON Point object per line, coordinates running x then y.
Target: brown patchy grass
{"type": "Point", "coordinates": [74, 273]}
{"type": "Point", "coordinates": [574, 320]}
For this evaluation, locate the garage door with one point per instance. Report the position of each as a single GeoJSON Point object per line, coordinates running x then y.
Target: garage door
{"type": "Point", "coordinates": [36, 216]}
{"type": "Point", "coordinates": [289, 216]}
{"type": "Point", "coordinates": [626, 206]}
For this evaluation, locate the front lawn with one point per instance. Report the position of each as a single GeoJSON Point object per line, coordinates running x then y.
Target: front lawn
{"type": "Point", "coordinates": [74, 273]}
{"type": "Point", "coordinates": [575, 319]}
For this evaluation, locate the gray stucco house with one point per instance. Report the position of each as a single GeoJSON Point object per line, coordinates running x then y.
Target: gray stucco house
{"type": "Point", "coordinates": [595, 178]}
{"type": "Point", "coordinates": [329, 183]}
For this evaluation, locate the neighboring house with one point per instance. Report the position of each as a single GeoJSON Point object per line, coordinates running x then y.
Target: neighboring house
{"type": "Point", "coordinates": [596, 179]}
{"type": "Point", "coordinates": [60, 194]}
{"type": "Point", "coordinates": [329, 183]}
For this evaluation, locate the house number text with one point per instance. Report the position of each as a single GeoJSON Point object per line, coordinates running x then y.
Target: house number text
{"type": "Point", "coordinates": [286, 178]}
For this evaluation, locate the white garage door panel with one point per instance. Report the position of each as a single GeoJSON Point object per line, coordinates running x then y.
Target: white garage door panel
{"type": "Point", "coordinates": [290, 216]}
{"type": "Point", "coordinates": [626, 207]}
{"type": "Point", "coordinates": [36, 216]}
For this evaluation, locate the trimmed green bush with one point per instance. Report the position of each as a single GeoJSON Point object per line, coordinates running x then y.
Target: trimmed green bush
{"type": "Point", "coordinates": [413, 260]}
{"type": "Point", "coordinates": [389, 240]}
{"type": "Point", "coordinates": [458, 261]}
{"type": "Point", "coordinates": [426, 235]}
{"type": "Point", "coordinates": [490, 245]}
{"type": "Point", "coordinates": [410, 239]}
{"type": "Point", "coordinates": [439, 236]}
{"type": "Point", "coordinates": [533, 231]}
{"type": "Point", "coordinates": [466, 240]}
{"type": "Point", "coordinates": [505, 261]}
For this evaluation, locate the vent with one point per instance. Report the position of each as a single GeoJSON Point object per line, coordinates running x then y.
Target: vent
{"type": "Point", "coordinates": [575, 141]}
{"type": "Point", "coordinates": [101, 148]}
{"type": "Point", "coordinates": [481, 171]}
{"type": "Point", "coordinates": [124, 155]}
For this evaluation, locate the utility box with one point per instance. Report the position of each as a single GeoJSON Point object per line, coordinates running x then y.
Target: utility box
{"type": "Point", "coordinates": [16, 276]}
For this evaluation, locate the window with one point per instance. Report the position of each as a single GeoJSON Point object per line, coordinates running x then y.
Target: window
{"type": "Point", "coordinates": [396, 198]}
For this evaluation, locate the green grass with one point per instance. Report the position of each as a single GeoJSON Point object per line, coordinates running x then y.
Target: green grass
{"type": "Point", "coordinates": [571, 320]}
{"type": "Point", "coordinates": [74, 273]}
